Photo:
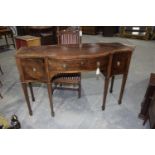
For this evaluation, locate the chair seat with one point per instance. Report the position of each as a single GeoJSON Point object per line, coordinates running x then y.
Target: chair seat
{"type": "Point", "coordinates": [5, 31]}
{"type": "Point", "coordinates": [67, 78]}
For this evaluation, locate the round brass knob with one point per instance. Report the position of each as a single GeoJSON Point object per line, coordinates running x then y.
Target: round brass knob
{"type": "Point", "coordinates": [34, 69]}
{"type": "Point", "coordinates": [82, 62]}
{"type": "Point", "coordinates": [64, 66]}
{"type": "Point", "coordinates": [118, 63]}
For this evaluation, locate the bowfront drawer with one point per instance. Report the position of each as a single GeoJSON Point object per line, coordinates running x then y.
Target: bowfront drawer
{"type": "Point", "coordinates": [78, 64]}
{"type": "Point", "coordinates": [34, 69]}
{"type": "Point", "coordinates": [120, 63]}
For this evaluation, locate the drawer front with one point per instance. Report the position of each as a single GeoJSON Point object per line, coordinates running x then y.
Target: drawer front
{"type": "Point", "coordinates": [78, 64]}
{"type": "Point", "coordinates": [120, 63]}
{"type": "Point", "coordinates": [34, 69]}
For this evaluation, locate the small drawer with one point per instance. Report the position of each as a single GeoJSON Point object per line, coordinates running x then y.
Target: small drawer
{"type": "Point", "coordinates": [34, 69]}
{"type": "Point", "coordinates": [120, 63]}
{"type": "Point", "coordinates": [78, 64]}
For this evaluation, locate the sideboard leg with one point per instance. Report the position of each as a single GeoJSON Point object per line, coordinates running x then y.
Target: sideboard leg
{"type": "Point", "coordinates": [106, 85]}
{"type": "Point", "coordinates": [112, 83]}
{"type": "Point", "coordinates": [31, 91]}
{"type": "Point", "coordinates": [50, 98]}
{"type": "Point", "coordinates": [122, 88]}
{"type": "Point", "coordinates": [24, 86]}
{"type": "Point", "coordinates": [79, 89]}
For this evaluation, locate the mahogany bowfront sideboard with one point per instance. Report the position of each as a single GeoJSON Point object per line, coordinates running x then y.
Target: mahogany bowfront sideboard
{"type": "Point", "coordinates": [41, 64]}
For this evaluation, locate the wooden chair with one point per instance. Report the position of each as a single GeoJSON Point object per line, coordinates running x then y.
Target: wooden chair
{"type": "Point", "coordinates": [68, 37]}
{"type": "Point", "coordinates": [63, 80]}
{"type": "Point", "coordinates": [6, 31]}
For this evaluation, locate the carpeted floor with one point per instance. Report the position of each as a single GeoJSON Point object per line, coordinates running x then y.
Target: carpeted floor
{"type": "Point", "coordinates": [71, 112]}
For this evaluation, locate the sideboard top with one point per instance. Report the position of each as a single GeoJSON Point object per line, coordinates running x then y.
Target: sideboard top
{"type": "Point", "coordinates": [73, 51]}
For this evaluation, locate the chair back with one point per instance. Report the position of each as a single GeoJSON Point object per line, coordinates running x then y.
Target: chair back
{"type": "Point", "coordinates": [69, 37]}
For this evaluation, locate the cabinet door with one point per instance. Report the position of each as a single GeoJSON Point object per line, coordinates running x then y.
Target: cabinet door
{"type": "Point", "coordinates": [120, 63]}
{"type": "Point", "coordinates": [34, 69]}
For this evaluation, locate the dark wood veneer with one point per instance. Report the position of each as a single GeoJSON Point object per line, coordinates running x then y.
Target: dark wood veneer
{"type": "Point", "coordinates": [34, 69]}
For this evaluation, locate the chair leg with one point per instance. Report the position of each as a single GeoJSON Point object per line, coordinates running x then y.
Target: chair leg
{"type": "Point", "coordinates": [1, 84]}
{"type": "Point", "coordinates": [31, 90]}
{"type": "Point", "coordinates": [13, 40]}
{"type": "Point", "coordinates": [112, 83]}
{"type": "Point", "coordinates": [1, 70]}
{"type": "Point", "coordinates": [1, 96]}
{"type": "Point", "coordinates": [79, 90]}
{"type": "Point", "coordinates": [6, 40]}
{"type": "Point", "coordinates": [53, 87]}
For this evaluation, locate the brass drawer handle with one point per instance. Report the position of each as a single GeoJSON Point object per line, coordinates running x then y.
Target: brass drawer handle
{"type": "Point", "coordinates": [34, 69]}
{"type": "Point", "coordinates": [64, 66]}
{"type": "Point", "coordinates": [118, 63]}
{"type": "Point", "coordinates": [82, 62]}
